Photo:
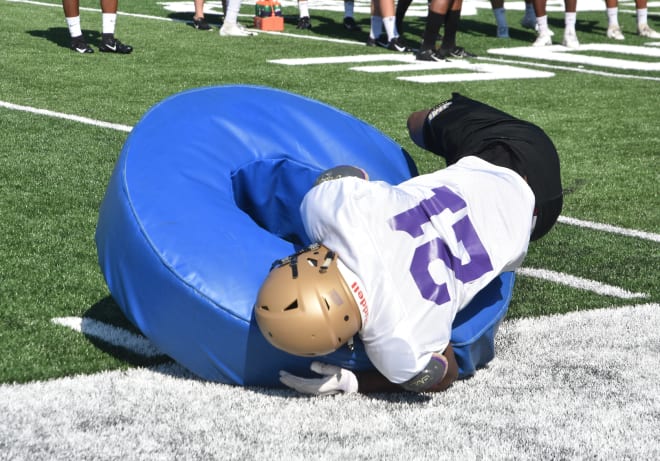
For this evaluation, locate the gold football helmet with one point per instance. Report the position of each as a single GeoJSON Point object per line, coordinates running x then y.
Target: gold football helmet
{"type": "Point", "coordinates": [305, 307]}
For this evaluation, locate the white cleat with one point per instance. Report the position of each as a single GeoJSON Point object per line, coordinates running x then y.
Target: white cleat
{"type": "Point", "coordinates": [645, 31]}
{"type": "Point", "coordinates": [614, 32]}
{"type": "Point", "coordinates": [544, 39]}
{"type": "Point", "coordinates": [570, 40]}
{"type": "Point", "coordinates": [235, 30]}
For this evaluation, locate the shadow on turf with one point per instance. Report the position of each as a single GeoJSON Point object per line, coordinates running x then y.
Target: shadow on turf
{"type": "Point", "coordinates": [107, 311]}
{"type": "Point", "coordinates": [60, 36]}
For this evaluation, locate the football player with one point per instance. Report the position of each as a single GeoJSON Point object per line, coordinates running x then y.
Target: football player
{"type": "Point", "coordinates": [109, 44]}
{"type": "Point", "coordinates": [394, 264]}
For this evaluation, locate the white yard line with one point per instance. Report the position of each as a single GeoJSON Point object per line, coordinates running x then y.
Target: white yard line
{"type": "Point", "coordinates": [579, 283]}
{"type": "Point", "coordinates": [75, 118]}
{"type": "Point", "coordinates": [610, 229]}
{"type": "Point", "coordinates": [110, 334]}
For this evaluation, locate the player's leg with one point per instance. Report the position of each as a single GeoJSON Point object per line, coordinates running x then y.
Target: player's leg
{"type": "Point", "coordinates": [349, 21]}
{"type": "Point", "coordinates": [230, 25]}
{"type": "Point", "coordinates": [500, 18]}
{"type": "Point", "coordinates": [643, 28]}
{"type": "Point", "coordinates": [570, 18]}
{"type": "Point", "coordinates": [544, 37]}
{"type": "Point", "coordinates": [448, 48]}
{"type": "Point", "coordinates": [109, 44]}
{"type": "Point", "coordinates": [435, 20]}
{"type": "Point", "coordinates": [199, 21]}
{"type": "Point", "coordinates": [72, 16]}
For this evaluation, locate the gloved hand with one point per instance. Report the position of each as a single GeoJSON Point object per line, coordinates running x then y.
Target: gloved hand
{"type": "Point", "coordinates": [335, 380]}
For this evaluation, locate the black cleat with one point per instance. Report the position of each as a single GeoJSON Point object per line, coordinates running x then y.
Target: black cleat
{"type": "Point", "coordinates": [350, 24]}
{"type": "Point", "coordinates": [201, 24]}
{"type": "Point", "coordinates": [304, 23]}
{"type": "Point", "coordinates": [456, 53]}
{"type": "Point", "coordinates": [371, 42]}
{"type": "Point", "coordinates": [396, 44]}
{"type": "Point", "coordinates": [112, 45]}
{"type": "Point", "coordinates": [80, 45]}
{"type": "Point", "coordinates": [429, 55]}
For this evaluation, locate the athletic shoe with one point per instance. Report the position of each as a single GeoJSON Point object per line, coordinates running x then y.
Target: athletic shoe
{"type": "Point", "coordinates": [570, 39]}
{"type": "Point", "coordinates": [371, 42]}
{"type": "Point", "coordinates": [235, 29]}
{"type": "Point", "coordinates": [502, 32]}
{"type": "Point", "coordinates": [643, 30]}
{"type": "Point", "coordinates": [350, 24]}
{"type": "Point", "coordinates": [80, 45]}
{"type": "Point", "coordinates": [201, 24]}
{"type": "Point", "coordinates": [614, 32]}
{"type": "Point", "coordinates": [429, 55]}
{"type": "Point", "coordinates": [528, 22]}
{"type": "Point", "coordinates": [396, 44]}
{"type": "Point", "coordinates": [112, 45]}
{"type": "Point", "coordinates": [543, 39]}
{"type": "Point", "coordinates": [304, 23]}
{"type": "Point", "coordinates": [457, 52]}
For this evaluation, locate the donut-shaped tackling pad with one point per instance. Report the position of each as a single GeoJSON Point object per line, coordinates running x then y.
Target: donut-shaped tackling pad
{"type": "Point", "coordinates": [205, 196]}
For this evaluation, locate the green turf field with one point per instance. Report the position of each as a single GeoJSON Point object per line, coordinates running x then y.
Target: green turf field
{"type": "Point", "coordinates": [603, 118]}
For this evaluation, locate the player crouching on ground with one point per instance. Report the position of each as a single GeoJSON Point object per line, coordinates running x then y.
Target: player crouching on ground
{"type": "Point", "coordinates": [395, 263]}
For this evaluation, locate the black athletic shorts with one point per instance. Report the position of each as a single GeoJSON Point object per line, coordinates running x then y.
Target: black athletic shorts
{"type": "Point", "coordinates": [462, 126]}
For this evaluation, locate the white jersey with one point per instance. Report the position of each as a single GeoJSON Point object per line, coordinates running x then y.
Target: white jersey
{"type": "Point", "coordinates": [421, 251]}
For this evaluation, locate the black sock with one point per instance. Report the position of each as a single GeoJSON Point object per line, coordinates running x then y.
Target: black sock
{"type": "Point", "coordinates": [401, 9]}
{"type": "Point", "coordinates": [433, 24]}
{"type": "Point", "coordinates": [451, 27]}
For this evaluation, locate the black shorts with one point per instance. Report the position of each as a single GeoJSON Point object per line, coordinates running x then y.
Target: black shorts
{"type": "Point", "coordinates": [462, 126]}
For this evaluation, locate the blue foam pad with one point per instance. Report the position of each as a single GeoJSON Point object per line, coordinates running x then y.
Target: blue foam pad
{"type": "Point", "coordinates": [204, 197]}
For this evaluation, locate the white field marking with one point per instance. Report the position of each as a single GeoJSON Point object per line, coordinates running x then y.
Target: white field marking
{"type": "Point", "coordinates": [75, 118]}
{"type": "Point", "coordinates": [110, 334]}
{"type": "Point", "coordinates": [418, 8]}
{"type": "Point", "coordinates": [579, 283]}
{"type": "Point", "coordinates": [579, 70]}
{"type": "Point", "coordinates": [611, 229]}
{"type": "Point", "coordinates": [475, 71]}
{"type": "Point", "coordinates": [560, 53]}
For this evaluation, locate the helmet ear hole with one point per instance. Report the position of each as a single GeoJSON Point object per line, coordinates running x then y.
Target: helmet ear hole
{"type": "Point", "coordinates": [292, 306]}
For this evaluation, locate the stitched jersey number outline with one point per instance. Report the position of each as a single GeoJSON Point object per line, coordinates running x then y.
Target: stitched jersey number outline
{"type": "Point", "coordinates": [411, 222]}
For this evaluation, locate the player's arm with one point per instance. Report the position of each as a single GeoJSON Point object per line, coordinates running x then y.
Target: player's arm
{"type": "Point", "coordinates": [438, 375]}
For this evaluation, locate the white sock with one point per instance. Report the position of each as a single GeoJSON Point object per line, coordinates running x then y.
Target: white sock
{"type": "Point", "coordinates": [390, 27]}
{"type": "Point", "coordinates": [542, 24]}
{"type": "Point", "coordinates": [642, 16]}
{"type": "Point", "coordinates": [569, 21]}
{"type": "Point", "coordinates": [231, 15]}
{"type": "Point", "coordinates": [303, 8]}
{"type": "Point", "coordinates": [74, 26]}
{"type": "Point", "coordinates": [613, 16]}
{"type": "Point", "coordinates": [348, 9]}
{"type": "Point", "coordinates": [109, 20]}
{"type": "Point", "coordinates": [376, 27]}
{"type": "Point", "coordinates": [500, 17]}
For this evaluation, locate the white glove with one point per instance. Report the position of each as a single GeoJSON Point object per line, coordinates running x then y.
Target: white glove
{"type": "Point", "coordinates": [335, 380]}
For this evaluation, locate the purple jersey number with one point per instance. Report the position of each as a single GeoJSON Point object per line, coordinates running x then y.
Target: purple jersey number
{"type": "Point", "coordinates": [411, 222]}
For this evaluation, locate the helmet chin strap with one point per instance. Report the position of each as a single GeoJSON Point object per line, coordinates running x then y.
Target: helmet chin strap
{"type": "Point", "coordinates": [350, 344]}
